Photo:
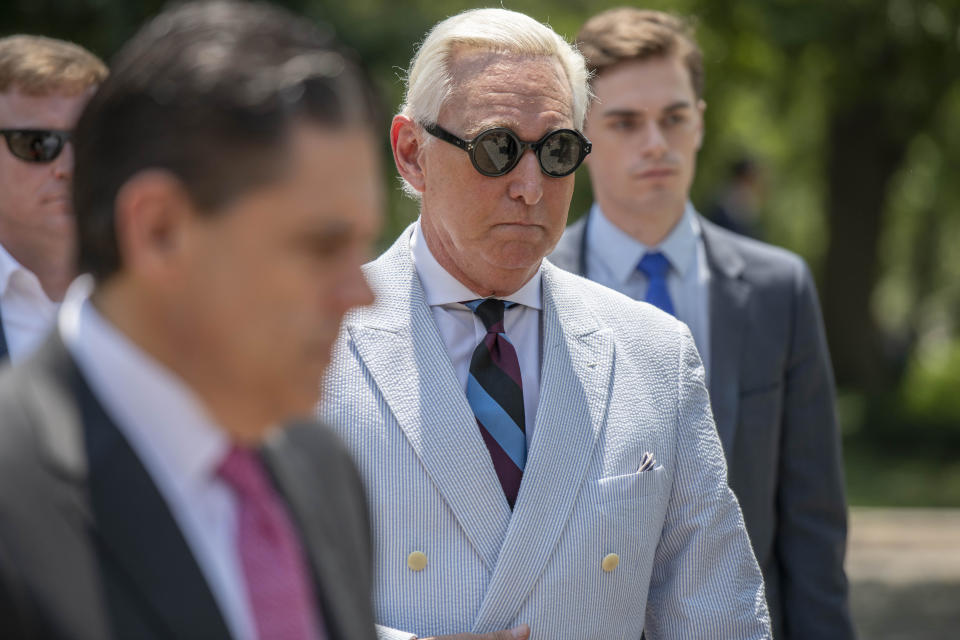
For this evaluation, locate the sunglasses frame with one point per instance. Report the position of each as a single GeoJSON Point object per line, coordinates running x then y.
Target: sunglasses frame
{"type": "Point", "coordinates": [470, 145]}
{"type": "Point", "coordinates": [63, 136]}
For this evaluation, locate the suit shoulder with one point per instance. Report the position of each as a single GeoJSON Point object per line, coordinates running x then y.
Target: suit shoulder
{"type": "Point", "coordinates": [318, 441]}
{"type": "Point", "coordinates": [393, 258]}
{"type": "Point", "coordinates": [16, 434]}
{"type": "Point", "coordinates": [614, 310]}
{"type": "Point", "coordinates": [764, 263]}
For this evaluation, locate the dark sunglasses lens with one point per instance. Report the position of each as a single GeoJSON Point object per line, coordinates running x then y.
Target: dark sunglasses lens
{"type": "Point", "coordinates": [495, 152]}
{"type": "Point", "coordinates": [560, 153]}
{"type": "Point", "coordinates": [35, 146]}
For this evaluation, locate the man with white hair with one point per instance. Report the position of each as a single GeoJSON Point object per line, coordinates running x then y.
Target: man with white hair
{"type": "Point", "coordinates": [539, 451]}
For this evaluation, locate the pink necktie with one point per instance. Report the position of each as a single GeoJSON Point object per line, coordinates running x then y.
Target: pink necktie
{"type": "Point", "coordinates": [278, 583]}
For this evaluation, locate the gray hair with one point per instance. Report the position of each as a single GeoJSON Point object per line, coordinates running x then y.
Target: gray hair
{"type": "Point", "coordinates": [428, 79]}
{"type": "Point", "coordinates": [429, 82]}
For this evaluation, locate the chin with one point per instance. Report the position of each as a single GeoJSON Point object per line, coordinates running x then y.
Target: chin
{"type": "Point", "coordinates": [60, 220]}
{"type": "Point", "coordinates": [520, 257]}
{"type": "Point", "coordinates": [300, 406]}
{"type": "Point", "coordinates": [655, 201]}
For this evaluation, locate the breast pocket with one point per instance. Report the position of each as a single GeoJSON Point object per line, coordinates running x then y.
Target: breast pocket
{"type": "Point", "coordinates": [631, 515]}
{"type": "Point", "coordinates": [627, 492]}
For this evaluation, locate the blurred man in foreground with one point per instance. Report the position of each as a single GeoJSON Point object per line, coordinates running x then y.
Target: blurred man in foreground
{"type": "Point", "coordinates": [539, 450]}
{"type": "Point", "coordinates": [226, 196]}
{"type": "Point", "coordinates": [44, 84]}
{"type": "Point", "coordinates": [752, 309]}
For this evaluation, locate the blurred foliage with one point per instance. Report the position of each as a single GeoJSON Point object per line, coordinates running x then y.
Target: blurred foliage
{"type": "Point", "coordinates": [889, 477]}
{"type": "Point", "coordinates": [851, 108]}
{"type": "Point", "coordinates": [931, 386]}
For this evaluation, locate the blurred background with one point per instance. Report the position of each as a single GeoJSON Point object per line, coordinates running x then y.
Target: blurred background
{"type": "Point", "coordinates": [832, 129]}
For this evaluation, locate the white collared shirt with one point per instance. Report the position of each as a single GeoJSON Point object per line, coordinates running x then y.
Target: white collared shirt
{"type": "Point", "coordinates": [613, 256]}
{"type": "Point", "coordinates": [462, 330]}
{"type": "Point", "coordinates": [27, 312]}
{"type": "Point", "coordinates": [178, 443]}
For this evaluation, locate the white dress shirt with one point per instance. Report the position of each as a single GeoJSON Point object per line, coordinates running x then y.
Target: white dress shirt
{"type": "Point", "coordinates": [462, 330]}
{"type": "Point", "coordinates": [176, 440]}
{"type": "Point", "coordinates": [27, 312]}
{"type": "Point", "coordinates": [613, 256]}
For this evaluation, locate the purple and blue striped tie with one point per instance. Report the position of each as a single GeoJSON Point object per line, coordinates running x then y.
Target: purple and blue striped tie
{"type": "Point", "coordinates": [495, 393]}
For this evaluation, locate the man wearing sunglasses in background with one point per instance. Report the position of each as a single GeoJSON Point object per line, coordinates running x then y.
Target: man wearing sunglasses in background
{"type": "Point", "coordinates": [752, 309]}
{"type": "Point", "coordinates": [44, 84]}
{"type": "Point", "coordinates": [538, 450]}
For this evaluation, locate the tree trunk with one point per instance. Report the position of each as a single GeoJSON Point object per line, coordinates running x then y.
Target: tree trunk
{"type": "Point", "coordinates": [861, 159]}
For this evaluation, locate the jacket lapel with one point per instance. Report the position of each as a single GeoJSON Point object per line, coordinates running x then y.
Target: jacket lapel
{"type": "Point", "coordinates": [729, 295]}
{"type": "Point", "coordinates": [137, 538]}
{"type": "Point", "coordinates": [575, 388]}
{"type": "Point", "coordinates": [398, 342]}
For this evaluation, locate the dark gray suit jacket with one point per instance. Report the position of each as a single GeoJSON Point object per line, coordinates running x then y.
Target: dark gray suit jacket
{"type": "Point", "coordinates": [4, 353]}
{"type": "Point", "coordinates": [89, 549]}
{"type": "Point", "coordinates": [772, 391]}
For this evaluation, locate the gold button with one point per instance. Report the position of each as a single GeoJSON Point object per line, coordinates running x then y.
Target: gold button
{"type": "Point", "coordinates": [417, 561]}
{"type": "Point", "coordinates": [610, 562]}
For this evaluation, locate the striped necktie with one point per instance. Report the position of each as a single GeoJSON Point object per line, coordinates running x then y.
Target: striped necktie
{"type": "Point", "coordinates": [656, 266]}
{"type": "Point", "coordinates": [495, 393]}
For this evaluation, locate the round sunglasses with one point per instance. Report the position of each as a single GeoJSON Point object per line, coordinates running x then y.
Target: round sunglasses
{"type": "Point", "coordinates": [495, 152]}
{"type": "Point", "coordinates": [35, 145]}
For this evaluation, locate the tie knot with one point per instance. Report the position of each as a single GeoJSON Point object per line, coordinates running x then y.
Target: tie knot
{"type": "Point", "coordinates": [654, 264]}
{"type": "Point", "coordinates": [243, 471]}
{"type": "Point", "coordinates": [490, 312]}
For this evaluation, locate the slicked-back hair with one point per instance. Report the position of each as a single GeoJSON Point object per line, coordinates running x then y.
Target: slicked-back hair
{"type": "Point", "coordinates": [622, 34]}
{"type": "Point", "coordinates": [207, 91]}
{"type": "Point", "coordinates": [39, 66]}
{"type": "Point", "coordinates": [429, 81]}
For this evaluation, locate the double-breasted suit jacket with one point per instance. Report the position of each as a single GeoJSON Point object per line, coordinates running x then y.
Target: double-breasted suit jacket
{"type": "Point", "coordinates": [593, 549]}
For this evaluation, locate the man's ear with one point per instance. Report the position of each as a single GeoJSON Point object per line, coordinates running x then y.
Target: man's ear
{"type": "Point", "coordinates": [407, 143]}
{"type": "Point", "coordinates": [702, 108]}
{"type": "Point", "coordinates": [151, 213]}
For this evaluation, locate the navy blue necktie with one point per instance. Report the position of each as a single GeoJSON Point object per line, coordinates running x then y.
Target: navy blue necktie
{"type": "Point", "coordinates": [656, 266]}
{"type": "Point", "coordinates": [495, 393]}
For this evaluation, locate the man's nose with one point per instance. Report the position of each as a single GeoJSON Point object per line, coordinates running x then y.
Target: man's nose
{"type": "Point", "coordinates": [526, 179]}
{"type": "Point", "coordinates": [654, 142]}
{"type": "Point", "coordinates": [63, 164]}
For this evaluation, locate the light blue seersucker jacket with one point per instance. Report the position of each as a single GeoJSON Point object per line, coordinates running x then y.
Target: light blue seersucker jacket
{"type": "Point", "coordinates": [619, 379]}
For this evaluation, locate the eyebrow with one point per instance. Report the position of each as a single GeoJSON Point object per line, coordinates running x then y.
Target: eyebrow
{"type": "Point", "coordinates": [473, 130]}
{"type": "Point", "coordinates": [630, 113]}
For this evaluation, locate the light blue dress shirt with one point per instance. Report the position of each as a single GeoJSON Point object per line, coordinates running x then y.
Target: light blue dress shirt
{"type": "Point", "coordinates": [613, 255]}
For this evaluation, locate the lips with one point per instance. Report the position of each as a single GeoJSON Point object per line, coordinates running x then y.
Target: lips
{"type": "Point", "coordinates": [658, 172]}
{"type": "Point", "coordinates": [519, 227]}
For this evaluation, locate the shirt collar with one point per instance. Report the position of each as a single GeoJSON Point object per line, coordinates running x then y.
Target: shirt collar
{"type": "Point", "coordinates": [442, 289]}
{"type": "Point", "coordinates": [148, 401]}
{"type": "Point", "coordinates": [9, 266]}
{"type": "Point", "coordinates": [621, 252]}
